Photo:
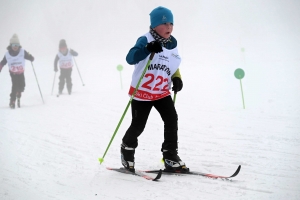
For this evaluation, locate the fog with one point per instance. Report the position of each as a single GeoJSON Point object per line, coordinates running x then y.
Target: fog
{"type": "Point", "coordinates": [210, 30]}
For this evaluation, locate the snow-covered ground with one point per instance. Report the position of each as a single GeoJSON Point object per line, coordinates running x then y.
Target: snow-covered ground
{"type": "Point", "coordinates": [51, 150]}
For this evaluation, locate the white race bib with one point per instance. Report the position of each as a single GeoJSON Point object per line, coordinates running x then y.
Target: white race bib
{"type": "Point", "coordinates": [156, 82]}
{"type": "Point", "coordinates": [65, 61]}
{"type": "Point", "coordinates": [16, 64]}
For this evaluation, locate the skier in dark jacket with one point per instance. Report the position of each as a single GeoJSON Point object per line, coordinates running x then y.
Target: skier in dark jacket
{"type": "Point", "coordinates": [65, 61]}
{"type": "Point", "coordinates": [15, 57]}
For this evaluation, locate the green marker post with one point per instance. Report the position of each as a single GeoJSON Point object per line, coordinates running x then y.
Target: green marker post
{"type": "Point", "coordinates": [120, 68]}
{"type": "Point", "coordinates": [239, 74]}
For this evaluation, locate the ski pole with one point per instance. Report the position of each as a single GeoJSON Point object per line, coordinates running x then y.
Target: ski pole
{"type": "Point", "coordinates": [78, 71]}
{"type": "Point", "coordinates": [53, 83]}
{"type": "Point", "coordinates": [37, 82]}
{"type": "Point", "coordinates": [129, 102]}
{"type": "Point", "coordinates": [174, 98]}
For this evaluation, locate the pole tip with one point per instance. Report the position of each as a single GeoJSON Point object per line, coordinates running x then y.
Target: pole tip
{"type": "Point", "coordinates": [101, 160]}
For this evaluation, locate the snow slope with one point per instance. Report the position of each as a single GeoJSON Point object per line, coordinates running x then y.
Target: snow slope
{"type": "Point", "coordinates": [51, 150]}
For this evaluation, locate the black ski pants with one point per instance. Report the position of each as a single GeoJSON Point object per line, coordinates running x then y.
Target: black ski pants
{"type": "Point", "coordinates": [18, 85]}
{"type": "Point", "coordinates": [140, 111]}
{"type": "Point", "coordinates": [65, 76]}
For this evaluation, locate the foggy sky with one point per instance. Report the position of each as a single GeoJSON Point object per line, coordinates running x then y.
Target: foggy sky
{"type": "Point", "coordinates": [267, 29]}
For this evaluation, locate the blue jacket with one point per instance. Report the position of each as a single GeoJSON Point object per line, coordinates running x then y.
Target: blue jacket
{"type": "Point", "coordinates": [140, 52]}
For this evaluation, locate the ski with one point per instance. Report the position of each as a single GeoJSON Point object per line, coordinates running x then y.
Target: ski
{"type": "Point", "coordinates": [137, 173]}
{"type": "Point", "coordinates": [196, 173]}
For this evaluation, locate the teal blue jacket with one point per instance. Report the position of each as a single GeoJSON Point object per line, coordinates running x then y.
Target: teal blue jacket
{"type": "Point", "coordinates": [140, 52]}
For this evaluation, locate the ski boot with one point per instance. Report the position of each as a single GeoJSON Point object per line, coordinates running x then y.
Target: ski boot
{"type": "Point", "coordinates": [173, 162]}
{"type": "Point", "coordinates": [70, 91]}
{"type": "Point", "coordinates": [127, 157]}
{"type": "Point", "coordinates": [12, 104]}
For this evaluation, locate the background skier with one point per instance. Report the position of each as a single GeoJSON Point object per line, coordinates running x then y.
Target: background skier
{"type": "Point", "coordinates": [64, 58]}
{"type": "Point", "coordinates": [15, 57]}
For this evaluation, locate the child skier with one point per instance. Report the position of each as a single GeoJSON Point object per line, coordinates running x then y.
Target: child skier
{"type": "Point", "coordinates": [15, 57]}
{"type": "Point", "coordinates": [64, 57]}
{"type": "Point", "coordinates": [154, 89]}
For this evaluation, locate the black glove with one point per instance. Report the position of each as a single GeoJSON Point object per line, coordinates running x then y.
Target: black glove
{"type": "Point", "coordinates": [30, 57]}
{"type": "Point", "coordinates": [177, 84]}
{"type": "Point", "coordinates": [154, 46]}
{"type": "Point", "coordinates": [73, 53]}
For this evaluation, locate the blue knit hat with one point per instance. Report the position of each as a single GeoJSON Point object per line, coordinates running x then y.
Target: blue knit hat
{"type": "Point", "coordinates": [160, 15]}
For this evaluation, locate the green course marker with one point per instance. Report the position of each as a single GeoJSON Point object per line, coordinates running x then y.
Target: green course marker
{"type": "Point", "coordinates": [239, 74]}
{"type": "Point", "coordinates": [120, 68]}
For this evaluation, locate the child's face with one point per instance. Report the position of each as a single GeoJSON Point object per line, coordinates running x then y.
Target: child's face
{"type": "Point", "coordinates": [164, 30]}
{"type": "Point", "coordinates": [15, 47]}
{"type": "Point", "coordinates": [63, 50]}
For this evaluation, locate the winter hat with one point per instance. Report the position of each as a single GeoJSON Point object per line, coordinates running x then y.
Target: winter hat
{"type": "Point", "coordinates": [14, 39]}
{"type": "Point", "coordinates": [160, 15]}
{"type": "Point", "coordinates": [62, 43]}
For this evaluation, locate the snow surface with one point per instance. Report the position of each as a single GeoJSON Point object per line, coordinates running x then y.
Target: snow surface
{"type": "Point", "coordinates": [51, 150]}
